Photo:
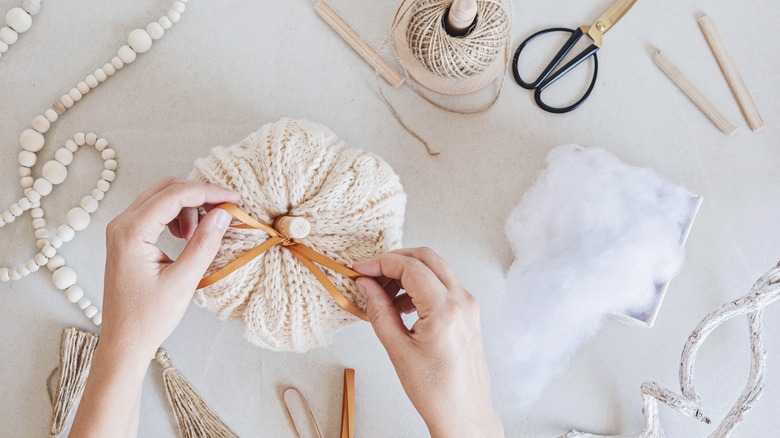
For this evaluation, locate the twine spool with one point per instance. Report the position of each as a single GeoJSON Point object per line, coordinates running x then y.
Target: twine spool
{"type": "Point", "coordinates": [456, 56]}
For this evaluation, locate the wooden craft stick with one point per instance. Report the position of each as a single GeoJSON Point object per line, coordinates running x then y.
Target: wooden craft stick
{"type": "Point", "coordinates": [731, 73]}
{"type": "Point", "coordinates": [694, 93]}
{"type": "Point", "coordinates": [391, 75]}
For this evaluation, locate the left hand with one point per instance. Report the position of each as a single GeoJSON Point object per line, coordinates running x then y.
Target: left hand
{"type": "Point", "coordinates": [146, 293]}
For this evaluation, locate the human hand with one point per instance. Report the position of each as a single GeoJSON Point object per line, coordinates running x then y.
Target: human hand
{"type": "Point", "coordinates": [441, 360]}
{"type": "Point", "coordinates": [146, 293]}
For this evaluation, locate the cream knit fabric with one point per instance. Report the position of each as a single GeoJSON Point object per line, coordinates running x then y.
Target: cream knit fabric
{"type": "Point", "coordinates": [353, 201]}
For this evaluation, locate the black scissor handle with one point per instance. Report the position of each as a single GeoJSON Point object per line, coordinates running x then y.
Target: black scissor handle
{"type": "Point", "coordinates": [546, 79]}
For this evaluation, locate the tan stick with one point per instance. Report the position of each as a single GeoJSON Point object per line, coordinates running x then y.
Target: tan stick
{"type": "Point", "coordinates": [461, 15]}
{"type": "Point", "coordinates": [391, 75]}
{"type": "Point", "coordinates": [731, 73]}
{"type": "Point", "coordinates": [694, 93]}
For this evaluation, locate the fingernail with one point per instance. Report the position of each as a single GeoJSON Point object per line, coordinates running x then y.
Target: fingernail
{"type": "Point", "coordinates": [223, 219]}
{"type": "Point", "coordinates": [361, 285]}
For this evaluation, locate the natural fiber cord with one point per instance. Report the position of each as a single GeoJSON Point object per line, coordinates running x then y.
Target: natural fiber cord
{"type": "Point", "coordinates": [76, 350]}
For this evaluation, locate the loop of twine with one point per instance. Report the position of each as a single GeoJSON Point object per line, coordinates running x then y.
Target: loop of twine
{"type": "Point", "coordinates": [456, 57]}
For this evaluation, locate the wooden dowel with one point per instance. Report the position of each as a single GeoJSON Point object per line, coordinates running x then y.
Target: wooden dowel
{"type": "Point", "coordinates": [729, 69]}
{"type": "Point", "coordinates": [293, 226]}
{"type": "Point", "coordinates": [461, 16]}
{"type": "Point", "coordinates": [694, 93]}
{"type": "Point", "coordinates": [390, 74]}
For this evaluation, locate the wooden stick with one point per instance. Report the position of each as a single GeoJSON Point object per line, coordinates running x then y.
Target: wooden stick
{"type": "Point", "coordinates": [731, 73]}
{"type": "Point", "coordinates": [391, 75]}
{"type": "Point", "coordinates": [694, 93]}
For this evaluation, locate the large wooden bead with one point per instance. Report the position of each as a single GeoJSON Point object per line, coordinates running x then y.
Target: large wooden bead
{"type": "Point", "coordinates": [8, 35]}
{"type": "Point", "coordinates": [74, 294]}
{"type": "Point", "coordinates": [64, 278]}
{"type": "Point", "coordinates": [18, 20]}
{"type": "Point", "coordinates": [77, 218]}
{"type": "Point", "coordinates": [42, 186]}
{"type": "Point", "coordinates": [139, 40]}
{"type": "Point", "coordinates": [55, 172]}
{"type": "Point", "coordinates": [31, 140]}
{"type": "Point", "coordinates": [64, 156]}
{"type": "Point", "coordinates": [126, 54]}
{"type": "Point", "coordinates": [27, 158]}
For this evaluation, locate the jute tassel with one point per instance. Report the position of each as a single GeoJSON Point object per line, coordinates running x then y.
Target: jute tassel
{"type": "Point", "coordinates": [76, 350]}
{"type": "Point", "coordinates": [194, 417]}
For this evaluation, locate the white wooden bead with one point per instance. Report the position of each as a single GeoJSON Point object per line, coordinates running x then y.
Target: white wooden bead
{"type": "Point", "coordinates": [101, 144]}
{"type": "Point", "coordinates": [2, 222]}
{"type": "Point", "coordinates": [64, 278]}
{"type": "Point", "coordinates": [89, 204]}
{"type": "Point", "coordinates": [15, 275]}
{"type": "Point", "coordinates": [126, 54]}
{"type": "Point", "coordinates": [77, 218]}
{"type": "Point", "coordinates": [36, 213]}
{"type": "Point", "coordinates": [83, 303]}
{"type": "Point", "coordinates": [31, 140]}
{"type": "Point", "coordinates": [8, 35]}
{"type": "Point", "coordinates": [103, 185]}
{"type": "Point", "coordinates": [178, 7]}
{"type": "Point", "coordinates": [51, 115]}
{"type": "Point", "coordinates": [32, 266]}
{"type": "Point", "coordinates": [4, 275]}
{"type": "Point", "coordinates": [41, 233]}
{"type": "Point", "coordinates": [66, 233]}
{"type": "Point", "coordinates": [27, 190]}
{"type": "Point", "coordinates": [41, 124]}
{"type": "Point", "coordinates": [15, 209]}
{"type": "Point", "coordinates": [64, 156]}
{"type": "Point", "coordinates": [90, 138]}
{"type": "Point", "coordinates": [25, 204]}
{"type": "Point", "coordinates": [74, 294]}
{"type": "Point", "coordinates": [41, 259]}
{"type": "Point", "coordinates": [27, 158]}
{"type": "Point", "coordinates": [75, 94]}
{"type": "Point", "coordinates": [83, 87]}
{"type": "Point", "coordinates": [90, 311]}
{"type": "Point", "coordinates": [55, 172]}
{"type": "Point", "coordinates": [117, 63]}
{"type": "Point", "coordinates": [41, 243]}
{"type": "Point", "coordinates": [110, 164]}
{"type": "Point", "coordinates": [55, 241]}
{"type": "Point", "coordinates": [109, 69]}
{"type": "Point", "coordinates": [100, 75]}
{"type": "Point", "coordinates": [165, 23]}
{"type": "Point", "coordinates": [3, 47]}
{"type": "Point", "coordinates": [80, 138]}
{"type": "Point", "coordinates": [139, 40]}
{"type": "Point", "coordinates": [91, 81]}
{"type": "Point", "coordinates": [27, 181]}
{"type": "Point", "coordinates": [108, 154]}
{"type": "Point", "coordinates": [155, 30]}
{"type": "Point", "coordinates": [66, 101]}
{"type": "Point", "coordinates": [18, 20]}
{"type": "Point", "coordinates": [55, 263]}
{"type": "Point", "coordinates": [32, 7]}
{"type": "Point", "coordinates": [24, 171]}
{"type": "Point", "coordinates": [39, 223]}
{"type": "Point", "coordinates": [108, 175]}
{"type": "Point", "coordinates": [98, 194]}
{"type": "Point", "coordinates": [42, 186]}
{"type": "Point", "coordinates": [49, 251]}
{"type": "Point", "coordinates": [34, 197]}
{"type": "Point", "coordinates": [22, 270]}
{"type": "Point", "coordinates": [173, 16]}
{"type": "Point", "coordinates": [8, 217]}
{"type": "Point", "coordinates": [71, 146]}
{"type": "Point", "coordinates": [98, 318]}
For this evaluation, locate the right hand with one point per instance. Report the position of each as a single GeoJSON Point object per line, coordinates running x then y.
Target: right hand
{"type": "Point", "coordinates": [441, 360]}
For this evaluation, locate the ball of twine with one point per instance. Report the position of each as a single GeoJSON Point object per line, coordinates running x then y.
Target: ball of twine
{"type": "Point", "coordinates": [456, 56]}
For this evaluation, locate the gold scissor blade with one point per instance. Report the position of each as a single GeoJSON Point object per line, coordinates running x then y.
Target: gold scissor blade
{"type": "Point", "coordinates": [609, 19]}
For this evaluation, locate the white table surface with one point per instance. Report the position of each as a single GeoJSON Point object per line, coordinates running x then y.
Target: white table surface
{"type": "Point", "coordinates": [227, 67]}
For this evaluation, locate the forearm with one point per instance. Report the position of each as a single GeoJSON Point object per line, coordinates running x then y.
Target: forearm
{"type": "Point", "coordinates": [111, 402]}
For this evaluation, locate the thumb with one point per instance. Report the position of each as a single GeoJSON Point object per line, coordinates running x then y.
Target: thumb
{"type": "Point", "coordinates": [202, 246]}
{"type": "Point", "coordinates": [382, 314]}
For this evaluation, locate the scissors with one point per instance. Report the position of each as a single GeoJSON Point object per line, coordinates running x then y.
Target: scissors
{"type": "Point", "coordinates": [595, 32]}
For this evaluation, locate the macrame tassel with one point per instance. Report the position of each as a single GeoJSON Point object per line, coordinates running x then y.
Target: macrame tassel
{"type": "Point", "coordinates": [76, 350]}
{"type": "Point", "coordinates": [195, 418]}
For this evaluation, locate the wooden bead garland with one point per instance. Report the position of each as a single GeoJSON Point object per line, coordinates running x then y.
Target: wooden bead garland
{"type": "Point", "coordinates": [54, 172]}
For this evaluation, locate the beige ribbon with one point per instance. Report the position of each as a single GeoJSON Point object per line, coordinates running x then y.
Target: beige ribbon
{"type": "Point", "coordinates": [347, 407]}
